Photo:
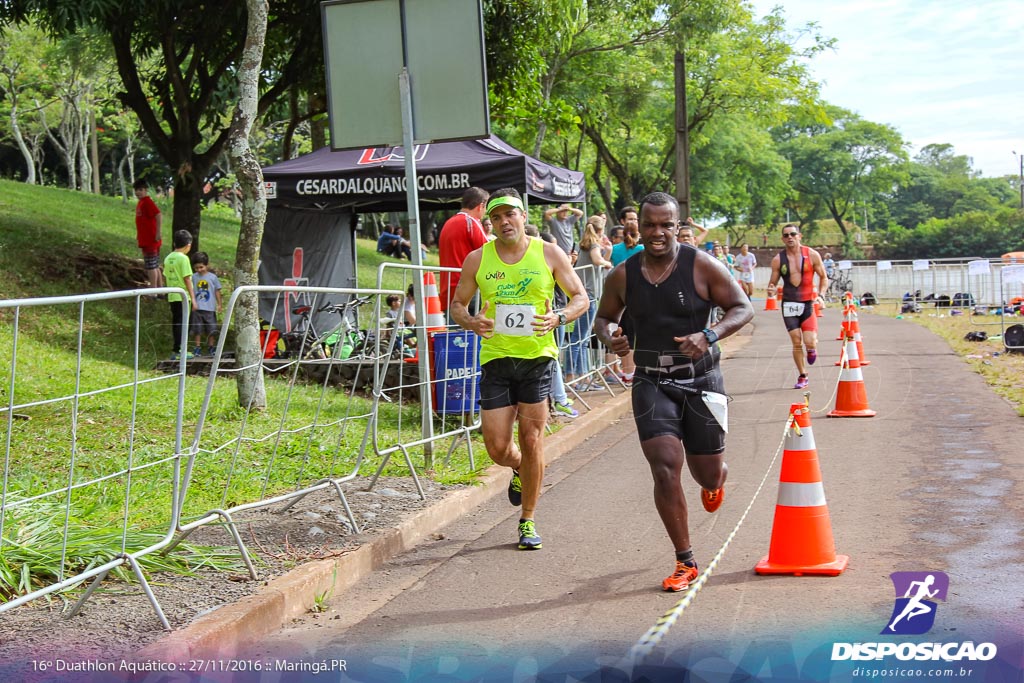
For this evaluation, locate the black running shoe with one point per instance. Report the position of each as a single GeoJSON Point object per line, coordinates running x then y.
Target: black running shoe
{"type": "Point", "coordinates": [515, 490]}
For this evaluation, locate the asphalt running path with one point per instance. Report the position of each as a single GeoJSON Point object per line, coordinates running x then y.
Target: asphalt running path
{"type": "Point", "coordinates": [932, 483]}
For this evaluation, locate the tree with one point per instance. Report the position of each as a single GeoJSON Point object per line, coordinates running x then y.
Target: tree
{"type": "Point", "coordinates": [740, 70]}
{"type": "Point", "coordinates": [843, 161]}
{"type": "Point", "coordinates": [739, 176]}
{"type": "Point", "coordinates": [76, 68]}
{"type": "Point", "coordinates": [20, 77]}
{"type": "Point", "coordinates": [983, 234]}
{"type": "Point", "coordinates": [942, 184]}
{"type": "Point", "coordinates": [180, 104]}
{"type": "Point", "coordinates": [251, 391]}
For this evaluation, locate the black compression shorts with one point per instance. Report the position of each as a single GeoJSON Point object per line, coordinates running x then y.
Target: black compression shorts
{"type": "Point", "coordinates": [661, 407]}
{"type": "Point", "coordinates": [806, 321]}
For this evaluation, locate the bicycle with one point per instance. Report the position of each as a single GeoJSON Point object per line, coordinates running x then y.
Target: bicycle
{"type": "Point", "coordinates": [341, 341]}
{"type": "Point", "coordinates": [838, 284]}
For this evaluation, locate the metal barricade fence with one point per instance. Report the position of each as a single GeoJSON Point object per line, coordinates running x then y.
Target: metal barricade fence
{"type": "Point", "coordinates": [74, 514]}
{"type": "Point", "coordinates": [417, 379]}
{"type": "Point", "coordinates": [896, 279]}
{"type": "Point", "coordinates": [240, 457]}
{"type": "Point", "coordinates": [301, 441]}
{"type": "Point", "coordinates": [583, 355]}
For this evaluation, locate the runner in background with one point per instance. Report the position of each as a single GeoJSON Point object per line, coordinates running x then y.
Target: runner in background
{"type": "Point", "coordinates": [796, 265]}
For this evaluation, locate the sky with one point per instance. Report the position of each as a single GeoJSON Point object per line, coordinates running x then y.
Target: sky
{"type": "Point", "coordinates": [937, 71]}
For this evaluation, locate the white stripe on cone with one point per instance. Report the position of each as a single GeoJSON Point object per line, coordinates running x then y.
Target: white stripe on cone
{"type": "Point", "coordinates": [801, 495]}
{"type": "Point", "coordinates": [798, 442]}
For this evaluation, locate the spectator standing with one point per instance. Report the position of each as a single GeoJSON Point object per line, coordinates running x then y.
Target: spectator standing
{"type": "Point", "coordinates": [687, 234]}
{"type": "Point", "coordinates": [730, 261]}
{"type": "Point", "coordinates": [830, 265]}
{"type": "Point", "coordinates": [209, 304]}
{"type": "Point", "coordinates": [178, 271]}
{"type": "Point", "coordinates": [591, 265]}
{"type": "Point", "coordinates": [629, 246]}
{"type": "Point", "coordinates": [460, 235]}
{"type": "Point", "coordinates": [148, 222]}
{"type": "Point", "coordinates": [561, 404]}
{"type": "Point", "coordinates": [561, 221]}
{"type": "Point", "coordinates": [630, 236]}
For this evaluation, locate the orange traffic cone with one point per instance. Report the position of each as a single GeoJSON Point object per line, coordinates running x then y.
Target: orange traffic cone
{"type": "Point", "coordinates": [802, 540]}
{"type": "Point", "coordinates": [852, 397]}
{"type": "Point", "coordinates": [844, 325]}
{"type": "Point", "coordinates": [817, 305]}
{"type": "Point", "coordinates": [771, 303]}
{"type": "Point", "coordinates": [435, 318]}
{"type": "Point", "coordinates": [857, 339]}
{"type": "Point", "coordinates": [853, 330]}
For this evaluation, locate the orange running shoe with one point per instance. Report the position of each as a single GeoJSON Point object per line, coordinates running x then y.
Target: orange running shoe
{"type": "Point", "coordinates": [712, 500]}
{"type": "Point", "coordinates": [680, 580]}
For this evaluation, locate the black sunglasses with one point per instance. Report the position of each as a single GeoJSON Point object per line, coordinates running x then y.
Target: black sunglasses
{"type": "Point", "coordinates": [790, 234]}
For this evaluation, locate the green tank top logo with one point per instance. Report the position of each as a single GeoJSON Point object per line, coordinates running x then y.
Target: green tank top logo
{"type": "Point", "coordinates": [514, 294]}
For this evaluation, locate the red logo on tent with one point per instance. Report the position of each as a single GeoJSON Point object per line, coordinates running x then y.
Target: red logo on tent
{"type": "Point", "coordinates": [537, 183]}
{"type": "Point", "coordinates": [382, 155]}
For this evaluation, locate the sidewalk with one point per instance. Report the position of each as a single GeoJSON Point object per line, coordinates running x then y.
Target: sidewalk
{"type": "Point", "coordinates": [230, 628]}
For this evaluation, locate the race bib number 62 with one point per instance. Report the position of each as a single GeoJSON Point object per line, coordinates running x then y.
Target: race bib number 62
{"type": "Point", "coordinates": [514, 319]}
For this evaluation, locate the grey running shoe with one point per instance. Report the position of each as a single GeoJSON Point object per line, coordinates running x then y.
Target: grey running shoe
{"type": "Point", "coordinates": [528, 538]}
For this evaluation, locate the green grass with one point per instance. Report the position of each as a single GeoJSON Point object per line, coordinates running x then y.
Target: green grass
{"type": "Point", "coordinates": [1002, 371]}
{"type": "Point", "coordinates": [56, 242]}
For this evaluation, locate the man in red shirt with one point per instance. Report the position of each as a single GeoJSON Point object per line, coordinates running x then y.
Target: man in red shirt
{"type": "Point", "coordinates": [460, 235]}
{"type": "Point", "coordinates": [147, 231]}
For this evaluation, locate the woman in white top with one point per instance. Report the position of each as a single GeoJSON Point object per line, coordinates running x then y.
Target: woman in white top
{"type": "Point", "coordinates": [745, 265]}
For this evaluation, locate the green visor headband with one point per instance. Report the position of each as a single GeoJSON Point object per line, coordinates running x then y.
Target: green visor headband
{"type": "Point", "coordinates": [504, 201]}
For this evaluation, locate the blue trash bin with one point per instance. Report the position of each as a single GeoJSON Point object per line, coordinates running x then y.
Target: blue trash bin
{"type": "Point", "coordinates": [457, 370]}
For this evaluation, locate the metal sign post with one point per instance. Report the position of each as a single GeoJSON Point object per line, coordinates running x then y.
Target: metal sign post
{"type": "Point", "coordinates": [436, 45]}
{"type": "Point", "coordinates": [412, 198]}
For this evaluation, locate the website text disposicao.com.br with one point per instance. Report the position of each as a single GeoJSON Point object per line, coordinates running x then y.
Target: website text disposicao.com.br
{"type": "Point", "coordinates": [870, 673]}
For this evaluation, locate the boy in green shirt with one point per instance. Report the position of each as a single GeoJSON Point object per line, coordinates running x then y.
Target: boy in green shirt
{"type": "Point", "coordinates": [178, 273]}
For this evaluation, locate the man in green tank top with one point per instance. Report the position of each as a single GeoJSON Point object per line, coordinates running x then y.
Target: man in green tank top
{"type": "Point", "coordinates": [516, 275]}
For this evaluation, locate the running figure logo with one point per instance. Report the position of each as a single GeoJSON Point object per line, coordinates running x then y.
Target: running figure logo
{"type": "Point", "coordinates": [915, 608]}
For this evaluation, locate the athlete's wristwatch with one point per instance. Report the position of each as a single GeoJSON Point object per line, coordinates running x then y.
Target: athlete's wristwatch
{"type": "Point", "coordinates": [562, 320]}
{"type": "Point", "coordinates": [710, 335]}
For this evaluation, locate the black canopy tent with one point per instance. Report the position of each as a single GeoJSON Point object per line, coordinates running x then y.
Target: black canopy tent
{"type": "Point", "coordinates": [312, 202]}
